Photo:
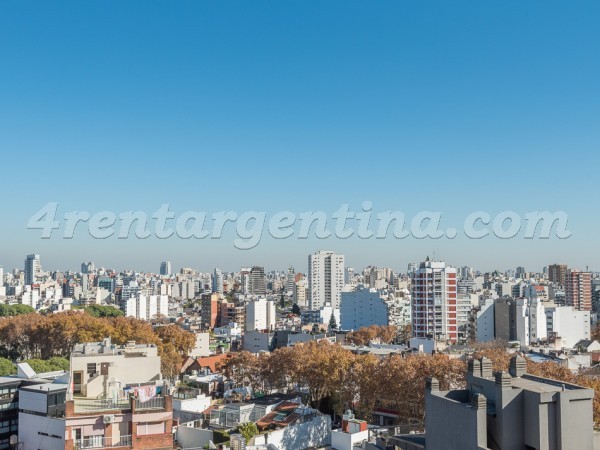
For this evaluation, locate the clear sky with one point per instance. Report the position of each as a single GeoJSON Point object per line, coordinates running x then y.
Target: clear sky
{"type": "Point", "coordinates": [444, 106]}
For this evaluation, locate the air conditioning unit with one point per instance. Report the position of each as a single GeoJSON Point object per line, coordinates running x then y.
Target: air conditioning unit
{"type": "Point", "coordinates": [109, 418]}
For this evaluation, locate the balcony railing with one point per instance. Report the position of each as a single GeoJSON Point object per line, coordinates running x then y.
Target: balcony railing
{"type": "Point", "coordinates": [100, 442]}
{"type": "Point", "coordinates": [87, 405]}
{"type": "Point", "coordinates": [153, 403]}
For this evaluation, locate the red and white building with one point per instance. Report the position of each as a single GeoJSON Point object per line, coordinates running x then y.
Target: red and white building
{"type": "Point", "coordinates": [578, 290]}
{"type": "Point", "coordinates": [434, 301]}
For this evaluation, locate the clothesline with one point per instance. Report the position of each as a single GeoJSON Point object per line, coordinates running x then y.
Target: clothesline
{"type": "Point", "coordinates": [145, 393]}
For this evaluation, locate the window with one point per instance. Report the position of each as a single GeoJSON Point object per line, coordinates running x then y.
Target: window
{"type": "Point", "coordinates": [145, 428]}
{"type": "Point", "coordinates": [91, 368]}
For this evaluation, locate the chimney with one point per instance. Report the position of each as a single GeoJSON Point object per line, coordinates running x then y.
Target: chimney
{"type": "Point", "coordinates": [478, 401]}
{"type": "Point", "coordinates": [518, 366]}
{"type": "Point", "coordinates": [486, 368]}
{"type": "Point", "coordinates": [475, 367]}
{"type": "Point", "coordinates": [503, 379]}
{"type": "Point", "coordinates": [432, 384]}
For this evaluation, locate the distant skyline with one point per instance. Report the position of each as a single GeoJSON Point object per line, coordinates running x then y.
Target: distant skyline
{"type": "Point", "coordinates": [299, 266]}
{"type": "Point", "coordinates": [293, 106]}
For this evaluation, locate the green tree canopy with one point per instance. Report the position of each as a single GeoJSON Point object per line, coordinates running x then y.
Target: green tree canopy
{"type": "Point", "coordinates": [103, 311]}
{"type": "Point", "coordinates": [248, 430]}
{"type": "Point", "coordinates": [7, 367]}
{"type": "Point", "coordinates": [332, 322]}
{"type": "Point", "coordinates": [15, 310]}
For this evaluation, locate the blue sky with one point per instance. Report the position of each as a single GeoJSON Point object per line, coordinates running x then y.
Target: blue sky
{"type": "Point", "coordinates": [267, 106]}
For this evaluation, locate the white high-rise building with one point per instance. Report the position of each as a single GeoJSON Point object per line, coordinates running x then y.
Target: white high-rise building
{"type": "Point", "coordinates": [32, 268]}
{"type": "Point", "coordinates": [146, 307]}
{"type": "Point", "coordinates": [131, 290]}
{"type": "Point", "coordinates": [300, 292]}
{"type": "Point", "coordinates": [568, 324]}
{"type": "Point", "coordinates": [434, 301]}
{"type": "Point", "coordinates": [245, 280]}
{"type": "Point", "coordinates": [260, 315]}
{"type": "Point", "coordinates": [325, 279]}
{"type": "Point", "coordinates": [349, 275]}
{"type": "Point", "coordinates": [485, 319]}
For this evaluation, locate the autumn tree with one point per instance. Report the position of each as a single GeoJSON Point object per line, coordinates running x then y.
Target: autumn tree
{"type": "Point", "coordinates": [34, 336]}
{"type": "Point", "coordinates": [385, 333]}
{"type": "Point", "coordinates": [244, 370]}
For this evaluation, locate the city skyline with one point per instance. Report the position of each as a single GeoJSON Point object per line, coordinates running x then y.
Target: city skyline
{"type": "Point", "coordinates": [300, 267]}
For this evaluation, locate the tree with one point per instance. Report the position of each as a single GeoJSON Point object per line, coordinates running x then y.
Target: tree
{"type": "Point", "coordinates": [40, 338]}
{"type": "Point", "coordinates": [103, 311]}
{"type": "Point", "coordinates": [15, 310]}
{"type": "Point", "coordinates": [332, 322]}
{"type": "Point", "coordinates": [405, 333]}
{"type": "Point", "coordinates": [385, 333]}
{"type": "Point", "coordinates": [244, 370]}
{"type": "Point", "coordinates": [7, 367]}
{"type": "Point", "coordinates": [248, 430]}
{"type": "Point", "coordinates": [295, 309]}
{"type": "Point", "coordinates": [59, 363]}
{"type": "Point", "coordinates": [182, 340]}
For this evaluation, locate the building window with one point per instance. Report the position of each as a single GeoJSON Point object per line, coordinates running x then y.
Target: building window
{"type": "Point", "coordinates": [91, 369]}
{"type": "Point", "coordinates": [146, 428]}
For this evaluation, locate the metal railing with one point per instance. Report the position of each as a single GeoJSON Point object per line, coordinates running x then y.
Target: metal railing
{"type": "Point", "coordinates": [87, 405]}
{"type": "Point", "coordinates": [99, 442]}
{"type": "Point", "coordinates": [153, 403]}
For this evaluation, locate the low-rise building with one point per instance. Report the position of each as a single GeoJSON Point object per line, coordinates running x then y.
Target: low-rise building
{"type": "Point", "coordinates": [115, 398]}
{"type": "Point", "coordinates": [508, 411]}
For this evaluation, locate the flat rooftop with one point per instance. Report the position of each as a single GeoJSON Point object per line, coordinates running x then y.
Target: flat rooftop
{"type": "Point", "coordinates": [46, 387]}
{"type": "Point", "coordinates": [541, 385]}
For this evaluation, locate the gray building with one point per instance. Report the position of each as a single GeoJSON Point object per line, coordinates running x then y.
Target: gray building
{"type": "Point", "coordinates": [258, 282]}
{"type": "Point", "coordinates": [507, 411]}
{"type": "Point", "coordinates": [32, 268]}
{"type": "Point", "coordinates": [165, 268]}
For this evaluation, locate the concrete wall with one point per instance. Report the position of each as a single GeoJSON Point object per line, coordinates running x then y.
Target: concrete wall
{"type": "Point", "coordinates": [485, 322]}
{"type": "Point", "coordinates": [33, 401]}
{"type": "Point", "coordinates": [197, 404]}
{"type": "Point", "coordinates": [465, 431]}
{"type": "Point", "coordinates": [571, 325]}
{"type": "Point", "coordinates": [189, 437]}
{"type": "Point", "coordinates": [345, 441]}
{"type": "Point", "coordinates": [202, 346]}
{"type": "Point", "coordinates": [256, 341]}
{"type": "Point", "coordinates": [125, 370]}
{"type": "Point", "coordinates": [53, 437]}
{"type": "Point", "coordinates": [362, 308]}
{"type": "Point", "coordinates": [315, 433]}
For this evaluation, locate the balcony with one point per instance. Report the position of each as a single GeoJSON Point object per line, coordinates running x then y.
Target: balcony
{"type": "Point", "coordinates": [100, 442]}
{"type": "Point", "coordinates": [100, 405]}
{"type": "Point", "coordinates": [153, 403]}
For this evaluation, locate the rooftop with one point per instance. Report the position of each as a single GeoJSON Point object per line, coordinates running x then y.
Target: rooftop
{"type": "Point", "coordinates": [107, 348]}
{"type": "Point", "coordinates": [541, 385]}
{"type": "Point", "coordinates": [46, 387]}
